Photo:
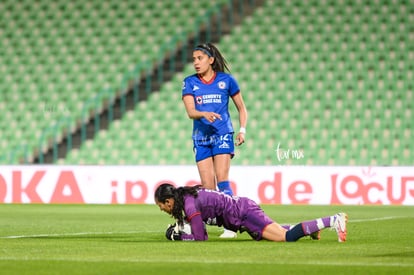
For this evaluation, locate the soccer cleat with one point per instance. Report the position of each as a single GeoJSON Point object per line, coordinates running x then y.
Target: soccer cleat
{"type": "Point", "coordinates": [228, 234]}
{"type": "Point", "coordinates": [339, 224]}
{"type": "Point", "coordinates": [315, 235]}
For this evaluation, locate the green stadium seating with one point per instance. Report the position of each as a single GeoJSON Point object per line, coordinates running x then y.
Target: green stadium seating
{"type": "Point", "coordinates": [61, 54]}
{"type": "Point", "coordinates": [331, 78]}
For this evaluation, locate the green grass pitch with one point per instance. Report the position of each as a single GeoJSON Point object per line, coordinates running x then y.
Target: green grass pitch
{"type": "Point", "coordinates": [129, 239]}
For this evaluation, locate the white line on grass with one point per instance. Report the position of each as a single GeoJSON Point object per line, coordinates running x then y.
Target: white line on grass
{"type": "Point", "coordinates": [381, 219]}
{"type": "Point", "coordinates": [135, 232]}
{"type": "Point", "coordinates": [74, 234]}
{"type": "Point", "coordinates": [210, 261]}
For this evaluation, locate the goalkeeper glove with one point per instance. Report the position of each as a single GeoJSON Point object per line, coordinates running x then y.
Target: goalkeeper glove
{"type": "Point", "coordinates": [171, 234]}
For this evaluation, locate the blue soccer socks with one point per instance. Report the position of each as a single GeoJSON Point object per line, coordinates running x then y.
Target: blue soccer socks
{"type": "Point", "coordinates": [224, 186]}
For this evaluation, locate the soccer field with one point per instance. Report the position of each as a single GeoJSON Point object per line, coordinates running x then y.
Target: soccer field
{"type": "Point", "coordinates": [129, 239]}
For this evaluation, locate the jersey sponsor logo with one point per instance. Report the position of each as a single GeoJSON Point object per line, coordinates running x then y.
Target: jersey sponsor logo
{"type": "Point", "coordinates": [207, 99]}
{"type": "Point", "coordinates": [212, 98]}
{"type": "Point", "coordinates": [222, 85]}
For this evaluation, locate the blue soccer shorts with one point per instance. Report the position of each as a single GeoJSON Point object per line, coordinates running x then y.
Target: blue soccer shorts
{"type": "Point", "coordinates": [212, 146]}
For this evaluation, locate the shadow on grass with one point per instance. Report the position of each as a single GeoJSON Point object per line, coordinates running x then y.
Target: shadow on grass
{"type": "Point", "coordinates": [127, 238]}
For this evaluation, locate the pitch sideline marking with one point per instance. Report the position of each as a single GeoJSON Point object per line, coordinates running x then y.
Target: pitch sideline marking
{"type": "Point", "coordinates": [380, 219]}
{"type": "Point", "coordinates": [73, 234]}
{"type": "Point", "coordinates": [134, 232]}
{"type": "Point", "coordinates": [227, 261]}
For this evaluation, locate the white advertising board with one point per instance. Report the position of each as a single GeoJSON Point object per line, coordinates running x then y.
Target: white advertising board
{"type": "Point", "coordinates": [322, 185]}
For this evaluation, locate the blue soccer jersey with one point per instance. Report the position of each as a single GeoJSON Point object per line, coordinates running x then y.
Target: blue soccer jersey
{"type": "Point", "coordinates": [212, 96]}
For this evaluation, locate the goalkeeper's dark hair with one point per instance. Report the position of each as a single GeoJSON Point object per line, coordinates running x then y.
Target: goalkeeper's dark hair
{"type": "Point", "coordinates": [167, 191]}
{"type": "Point", "coordinates": [220, 63]}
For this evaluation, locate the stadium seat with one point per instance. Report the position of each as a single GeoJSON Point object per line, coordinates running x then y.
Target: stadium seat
{"type": "Point", "coordinates": [332, 77]}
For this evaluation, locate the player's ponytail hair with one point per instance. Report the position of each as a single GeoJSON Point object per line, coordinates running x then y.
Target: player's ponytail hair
{"type": "Point", "coordinates": [220, 63]}
{"type": "Point", "coordinates": [166, 191]}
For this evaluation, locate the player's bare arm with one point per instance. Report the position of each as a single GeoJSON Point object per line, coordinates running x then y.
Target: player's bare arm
{"type": "Point", "coordinates": [194, 114]}
{"type": "Point", "coordinates": [241, 108]}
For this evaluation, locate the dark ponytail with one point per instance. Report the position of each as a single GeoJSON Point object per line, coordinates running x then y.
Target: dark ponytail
{"type": "Point", "coordinates": [166, 191]}
{"type": "Point", "coordinates": [219, 64]}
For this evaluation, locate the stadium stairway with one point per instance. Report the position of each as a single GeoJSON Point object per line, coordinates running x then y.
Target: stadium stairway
{"type": "Point", "coordinates": [149, 85]}
{"type": "Point", "coordinates": [331, 78]}
{"type": "Point", "coordinates": [332, 91]}
{"type": "Point", "coordinates": [46, 70]}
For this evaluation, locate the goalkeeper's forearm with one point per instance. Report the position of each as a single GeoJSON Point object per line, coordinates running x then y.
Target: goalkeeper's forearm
{"type": "Point", "coordinates": [198, 230]}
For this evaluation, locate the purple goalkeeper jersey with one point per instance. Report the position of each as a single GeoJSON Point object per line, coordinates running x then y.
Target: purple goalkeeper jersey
{"type": "Point", "coordinates": [216, 208]}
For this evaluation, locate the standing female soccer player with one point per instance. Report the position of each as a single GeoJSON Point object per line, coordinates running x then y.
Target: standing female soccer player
{"type": "Point", "coordinates": [206, 95]}
{"type": "Point", "coordinates": [199, 205]}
